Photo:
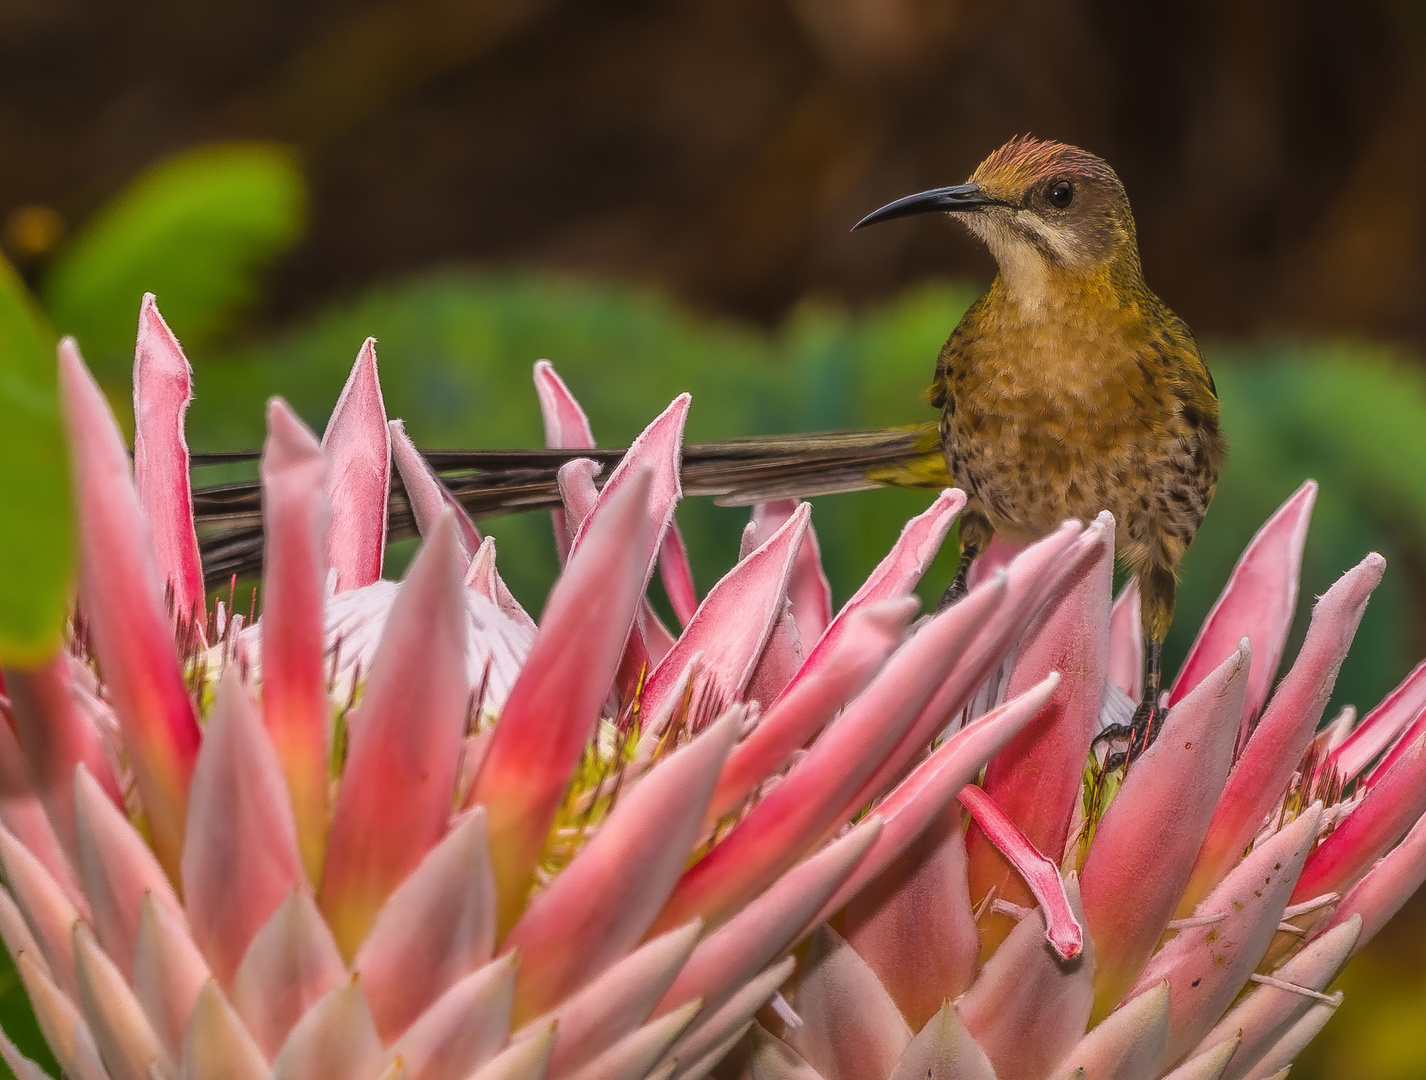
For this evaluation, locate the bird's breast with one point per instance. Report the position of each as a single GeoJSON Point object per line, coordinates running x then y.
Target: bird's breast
{"type": "Point", "coordinates": [1057, 417]}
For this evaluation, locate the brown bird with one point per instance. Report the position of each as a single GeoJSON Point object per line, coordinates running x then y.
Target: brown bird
{"type": "Point", "coordinates": [1067, 389]}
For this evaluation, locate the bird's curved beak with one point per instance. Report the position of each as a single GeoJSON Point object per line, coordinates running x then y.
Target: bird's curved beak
{"type": "Point", "coordinates": [961, 197]}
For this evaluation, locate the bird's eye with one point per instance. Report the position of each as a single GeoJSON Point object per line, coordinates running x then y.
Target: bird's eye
{"type": "Point", "coordinates": [1061, 193]}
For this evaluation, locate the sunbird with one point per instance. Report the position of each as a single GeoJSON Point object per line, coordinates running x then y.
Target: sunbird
{"type": "Point", "coordinates": [1067, 389]}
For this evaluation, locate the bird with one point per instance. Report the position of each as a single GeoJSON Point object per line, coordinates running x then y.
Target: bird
{"type": "Point", "coordinates": [1066, 389]}
{"type": "Point", "coordinates": [1069, 387]}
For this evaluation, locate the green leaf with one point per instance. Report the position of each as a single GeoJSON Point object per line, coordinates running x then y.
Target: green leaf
{"type": "Point", "coordinates": [197, 230]}
{"type": "Point", "coordinates": [34, 481]}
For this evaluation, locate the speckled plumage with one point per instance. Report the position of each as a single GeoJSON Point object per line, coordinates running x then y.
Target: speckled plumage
{"type": "Point", "coordinates": [1069, 387]}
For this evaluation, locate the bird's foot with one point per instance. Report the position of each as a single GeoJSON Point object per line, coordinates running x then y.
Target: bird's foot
{"type": "Point", "coordinates": [1137, 735]}
{"type": "Point", "coordinates": [956, 590]}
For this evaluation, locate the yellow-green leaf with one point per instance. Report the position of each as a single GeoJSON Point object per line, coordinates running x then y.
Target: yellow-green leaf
{"type": "Point", "coordinates": [197, 230]}
{"type": "Point", "coordinates": [35, 537]}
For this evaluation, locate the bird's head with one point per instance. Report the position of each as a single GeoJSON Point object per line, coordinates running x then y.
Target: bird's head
{"type": "Point", "coordinates": [1043, 208]}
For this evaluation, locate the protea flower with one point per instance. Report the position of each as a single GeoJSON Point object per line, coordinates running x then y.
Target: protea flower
{"type": "Point", "coordinates": [403, 830]}
{"type": "Point", "coordinates": [1221, 884]}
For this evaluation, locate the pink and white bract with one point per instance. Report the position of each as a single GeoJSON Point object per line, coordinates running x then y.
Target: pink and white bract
{"type": "Point", "coordinates": [403, 830]}
{"type": "Point", "coordinates": [1221, 884]}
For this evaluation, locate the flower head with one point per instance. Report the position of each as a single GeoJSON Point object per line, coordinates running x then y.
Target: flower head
{"type": "Point", "coordinates": [1220, 884]}
{"type": "Point", "coordinates": [406, 830]}
{"type": "Point", "coordinates": [388, 829]}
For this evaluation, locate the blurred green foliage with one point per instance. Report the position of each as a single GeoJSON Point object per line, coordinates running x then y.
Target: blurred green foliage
{"type": "Point", "coordinates": [198, 229]}
{"type": "Point", "coordinates": [35, 544]}
{"type": "Point", "coordinates": [456, 348]}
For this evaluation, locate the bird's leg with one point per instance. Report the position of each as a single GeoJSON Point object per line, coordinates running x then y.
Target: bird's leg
{"type": "Point", "coordinates": [975, 538]}
{"type": "Point", "coordinates": [1157, 586]}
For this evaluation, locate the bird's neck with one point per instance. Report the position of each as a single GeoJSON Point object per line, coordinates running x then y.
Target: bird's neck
{"type": "Point", "coordinates": [1038, 290]}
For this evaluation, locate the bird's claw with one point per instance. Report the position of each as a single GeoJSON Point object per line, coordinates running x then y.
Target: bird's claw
{"type": "Point", "coordinates": [1137, 735]}
{"type": "Point", "coordinates": [956, 590]}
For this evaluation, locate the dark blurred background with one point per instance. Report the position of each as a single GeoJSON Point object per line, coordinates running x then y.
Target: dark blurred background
{"type": "Point", "coordinates": [657, 196]}
{"type": "Point", "coordinates": [1273, 150]}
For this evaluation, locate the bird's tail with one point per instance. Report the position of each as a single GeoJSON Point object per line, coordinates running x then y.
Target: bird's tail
{"type": "Point", "coordinates": [735, 472]}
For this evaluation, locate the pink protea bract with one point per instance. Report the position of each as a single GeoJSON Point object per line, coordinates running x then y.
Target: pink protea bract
{"type": "Point", "coordinates": [403, 829]}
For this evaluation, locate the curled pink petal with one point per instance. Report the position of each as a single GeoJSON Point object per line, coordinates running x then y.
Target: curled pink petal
{"type": "Point", "coordinates": [735, 952]}
{"type": "Point", "coordinates": [1040, 874]}
{"type": "Point", "coordinates": [437, 928]}
{"type": "Point", "coordinates": [603, 903]}
{"type": "Point", "coordinates": [733, 624]}
{"type": "Point", "coordinates": [56, 735]}
{"type": "Point", "coordinates": [1015, 596]}
{"type": "Point", "coordinates": [1280, 737]}
{"type": "Point", "coordinates": [808, 589]}
{"type": "Point", "coordinates": [1145, 844]}
{"type": "Point", "coordinates": [169, 973]}
{"type": "Point", "coordinates": [924, 794]}
{"type": "Point", "coordinates": [851, 1029]}
{"type": "Point", "coordinates": [163, 387]}
{"type": "Point", "coordinates": [1207, 965]}
{"type": "Point", "coordinates": [554, 705]}
{"type": "Point", "coordinates": [239, 817]}
{"type": "Point", "coordinates": [122, 595]}
{"type": "Point", "coordinates": [1258, 603]}
{"type": "Point", "coordinates": [820, 790]}
{"type": "Point", "coordinates": [1126, 643]}
{"type": "Point", "coordinates": [1036, 779]}
{"type": "Point", "coordinates": [118, 871]}
{"type": "Point", "coordinates": [1029, 1007]}
{"type": "Point", "coordinates": [291, 964]}
{"type": "Point", "coordinates": [295, 708]}
{"type": "Point", "coordinates": [566, 428]}
{"type": "Point", "coordinates": [1012, 598]}
{"type": "Point", "coordinates": [872, 632]}
{"type": "Point", "coordinates": [897, 574]}
{"type": "Point", "coordinates": [425, 492]}
{"type": "Point", "coordinates": [406, 735]}
{"type": "Point", "coordinates": [358, 447]}
{"type": "Point", "coordinates": [618, 1000]}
